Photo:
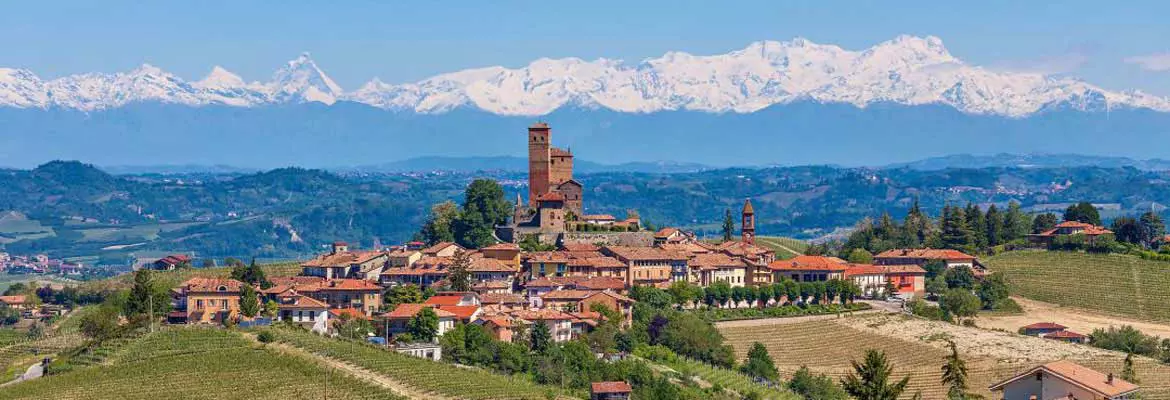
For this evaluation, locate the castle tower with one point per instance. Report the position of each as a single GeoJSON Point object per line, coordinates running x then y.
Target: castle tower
{"type": "Point", "coordinates": [749, 222]}
{"type": "Point", "coordinates": [538, 161]}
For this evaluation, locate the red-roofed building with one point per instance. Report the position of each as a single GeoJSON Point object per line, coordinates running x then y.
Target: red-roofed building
{"type": "Point", "coordinates": [1066, 228]}
{"type": "Point", "coordinates": [560, 324]}
{"type": "Point", "coordinates": [303, 310]}
{"type": "Point", "coordinates": [396, 321]}
{"type": "Point", "coordinates": [442, 249]}
{"type": "Point", "coordinates": [920, 257]}
{"type": "Point", "coordinates": [617, 390]}
{"type": "Point", "coordinates": [1067, 336]}
{"type": "Point", "coordinates": [1042, 328]}
{"type": "Point", "coordinates": [454, 299]}
{"type": "Point", "coordinates": [208, 300]}
{"type": "Point", "coordinates": [342, 263]}
{"type": "Point", "coordinates": [171, 262]}
{"type": "Point", "coordinates": [1064, 380]}
{"type": "Point", "coordinates": [18, 302]}
{"type": "Point", "coordinates": [809, 269]}
{"type": "Point", "coordinates": [871, 279]}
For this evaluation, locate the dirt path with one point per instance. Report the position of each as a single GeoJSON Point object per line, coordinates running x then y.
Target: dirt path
{"type": "Point", "coordinates": [1077, 320]}
{"type": "Point", "coordinates": [361, 373]}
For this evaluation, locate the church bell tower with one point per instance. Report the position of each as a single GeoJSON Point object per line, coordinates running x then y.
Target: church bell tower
{"type": "Point", "coordinates": [749, 222]}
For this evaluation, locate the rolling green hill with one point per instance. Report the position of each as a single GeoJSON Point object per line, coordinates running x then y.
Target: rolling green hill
{"type": "Point", "coordinates": [198, 364]}
{"type": "Point", "coordinates": [785, 248]}
{"type": "Point", "coordinates": [1116, 284]}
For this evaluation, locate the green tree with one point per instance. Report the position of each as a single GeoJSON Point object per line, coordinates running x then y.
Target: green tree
{"type": "Point", "coordinates": [403, 294]}
{"type": "Point", "coordinates": [454, 344]}
{"type": "Point", "coordinates": [977, 224]}
{"type": "Point", "coordinates": [459, 274]}
{"type": "Point", "coordinates": [956, 234]}
{"type": "Point", "coordinates": [1152, 228]}
{"type": "Point", "coordinates": [860, 256]}
{"type": "Point", "coordinates": [1043, 222]}
{"type": "Point", "coordinates": [438, 226]}
{"type": "Point", "coordinates": [1083, 212]}
{"type": "Point", "coordinates": [759, 364]}
{"type": "Point", "coordinates": [815, 387]}
{"type": "Point", "coordinates": [1126, 229]}
{"type": "Point", "coordinates": [540, 338]}
{"type": "Point", "coordinates": [993, 291]}
{"type": "Point", "coordinates": [954, 374]}
{"type": "Point", "coordinates": [683, 293]}
{"type": "Point", "coordinates": [960, 302]}
{"type": "Point", "coordinates": [1127, 371]}
{"type": "Point", "coordinates": [484, 208]}
{"type": "Point", "coordinates": [271, 308]}
{"type": "Point", "coordinates": [869, 380]}
{"type": "Point", "coordinates": [728, 225]}
{"type": "Point", "coordinates": [100, 324]}
{"type": "Point", "coordinates": [147, 296]}
{"type": "Point", "coordinates": [960, 277]}
{"type": "Point", "coordinates": [424, 326]}
{"type": "Point", "coordinates": [1126, 339]}
{"type": "Point", "coordinates": [994, 226]}
{"type": "Point", "coordinates": [249, 301]}
{"type": "Point", "coordinates": [1016, 223]}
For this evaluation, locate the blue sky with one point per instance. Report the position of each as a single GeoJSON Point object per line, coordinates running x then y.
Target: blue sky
{"type": "Point", "coordinates": [400, 41]}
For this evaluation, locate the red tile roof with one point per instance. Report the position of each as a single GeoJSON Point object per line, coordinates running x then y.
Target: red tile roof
{"type": "Point", "coordinates": [617, 387]}
{"type": "Point", "coordinates": [601, 283]}
{"type": "Point", "coordinates": [461, 312]}
{"type": "Point", "coordinates": [501, 298]}
{"type": "Point", "coordinates": [540, 315]}
{"type": "Point", "coordinates": [502, 246]}
{"type": "Point", "coordinates": [1088, 229]}
{"type": "Point", "coordinates": [1086, 378]}
{"type": "Point", "coordinates": [645, 253]}
{"type": "Point", "coordinates": [579, 247]}
{"type": "Point", "coordinates": [666, 232]}
{"type": "Point", "coordinates": [299, 302]}
{"type": "Point", "coordinates": [551, 196]}
{"type": "Point", "coordinates": [439, 247]}
{"type": "Point", "coordinates": [1045, 325]}
{"type": "Point", "coordinates": [13, 300]}
{"type": "Point", "coordinates": [903, 269]}
{"type": "Point", "coordinates": [408, 310]}
{"type": "Point", "coordinates": [445, 299]}
{"type": "Point", "coordinates": [810, 263]}
{"type": "Point", "coordinates": [211, 285]}
{"type": "Point", "coordinates": [344, 258]}
{"type": "Point", "coordinates": [929, 254]}
{"type": "Point", "coordinates": [567, 294]}
{"type": "Point", "coordinates": [483, 264]}
{"type": "Point", "coordinates": [863, 269]}
{"type": "Point", "coordinates": [349, 284]}
{"type": "Point", "coordinates": [1064, 335]}
{"type": "Point", "coordinates": [714, 261]}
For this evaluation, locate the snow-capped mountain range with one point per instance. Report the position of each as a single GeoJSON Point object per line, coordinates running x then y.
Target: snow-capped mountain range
{"type": "Point", "coordinates": [907, 70]}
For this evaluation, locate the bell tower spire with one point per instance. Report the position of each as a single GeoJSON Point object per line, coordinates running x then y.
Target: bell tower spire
{"type": "Point", "coordinates": [748, 223]}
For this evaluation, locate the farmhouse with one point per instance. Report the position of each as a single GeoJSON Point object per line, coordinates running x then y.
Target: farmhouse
{"type": "Point", "coordinates": [342, 263]}
{"type": "Point", "coordinates": [171, 262]}
{"type": "Point", "coordinates": [1068, 228]}
{"type": "Point", "coordinates": [1064, 380]}
{"type": "Point", "coordinates": [809, 269]}
{"type": "Point", "coordinates": [208, 300]}
{"type": "Point", "coordinates": [610, 390]}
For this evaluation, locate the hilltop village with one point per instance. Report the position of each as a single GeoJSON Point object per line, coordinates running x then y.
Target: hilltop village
{"type": "Point", "coordinates": [538, 298]}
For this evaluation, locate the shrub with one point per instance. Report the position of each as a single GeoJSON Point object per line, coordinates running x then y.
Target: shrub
{"type": "Point", "coordinates": [266, 337]}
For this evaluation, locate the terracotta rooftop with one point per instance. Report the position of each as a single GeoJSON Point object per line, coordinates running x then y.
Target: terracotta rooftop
{"type": "Point", "coordinates": [551, 196]}
{"type": "Point", "coordinates": [1064, 335]}
{"type": "Point", "coordinates": [601, 283]}
{"type": "Point", "coordinates": [1093, 381]}
{"type": "Point", "coordinates": [349, 284]}
{"type": "Point", "coordinates": [1045, 325]}
{"type": "Point", "coordinates": [540, 315]}
{"type": "Point", "coordinates": [568, 294]}
{"type": "Point", "coordinates": [483, 264]}
{"type": "Point", "coordinates": [747, 207]}
{"type": "Point", "coordinates": [666, 232]}
{"type": "Point", "coordinates": [502, 246]}
{"type": "Point", "coordinates": [211, 285]}
{"type": "Point", "coordinates": [501, 298]}
{"type": "Point", "coordinates": [929, 254]}
{"type": "Point", "coordinates": [445, 299]}
{"type": "Point", "coordinates": [13, 300]}
{"type": "Point", "coordinates": [298, 302]}
{"type": "Point", "coordinates": [810, 263]}
{"type": "Point", "coordinates": [579, 247]}
{"type": "Point", "coordinates": [408, 310]}
{"type": "Point", "coordinates": [438, 247]}
{"type": "Point", "coordinates": [343, 259]}
{"type": "Point", "coordinates": [645, 253]}
{"type": "Point", "coordinates": [864, 269]}
{"type": "Point", "coordinates": [714, 261]}
{"type": "Point", "coordinates": [461, 312]}
{"type": "Point", "coordinates": [1089, 229]}
{"type": "Point", "coordinates": [903, 269]}
{"type": "Point", "coordinates": [617, 387]}
{"type": "Point", "coordinates": [543, 282]}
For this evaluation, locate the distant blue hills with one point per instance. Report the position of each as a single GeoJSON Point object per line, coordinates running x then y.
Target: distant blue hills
{"type": "Point", "coordinates": [349, 135]}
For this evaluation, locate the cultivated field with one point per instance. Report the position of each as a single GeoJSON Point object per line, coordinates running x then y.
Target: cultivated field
{"type": "Point", "coordinates": [917, 348]}
{"type": "Point", "coordinates": [1116, 284]}
{"type": "Point", "coordinates": [419, 375]}
{"type": "Point", "coordinates": [785, 248]}
{"type": "Point", "coordinates": [197, 364]}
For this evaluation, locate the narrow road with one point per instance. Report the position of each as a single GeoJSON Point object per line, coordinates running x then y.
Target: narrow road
{"type": "Point", "coordinates": [34, 371]}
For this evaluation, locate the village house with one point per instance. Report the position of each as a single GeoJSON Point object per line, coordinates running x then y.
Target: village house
{"type": "Point", "coordinates": [403, 257]}
{"type": "Point", "coordinates": [1061, 380]}
{"type": "Point", "coordinates": [429, 351]}
{"type": "Point", "coordinates": [18, 302]}
{"type": "Point", "coordinates": [208, 300]}
{"type": "Point", "coordinates": [871, 279]}
{"type": "Point", "coordinates": [442, 249]}
{"type": "Point", "coordinates": [169, 263]}
{"type": "Point", "coordinates": [507, 253]}
{"type": "Point", "coordinates": [1067, 228]}
{"type": "Point", "coordinates": [494, 303]}
{"type": "Point", "coordinates": [559, 323]}
{"type": "Point", "coordinates": [610, 391]}
{"type": "Point", "coordinates": [358, 294]}
{"type": "Point", "coordinates": [492, 274]}
{"type": "Point", "coordinates": [809, 269]}
{"type": "Point", "coordinates": [502, 327]}
{"type": "Point", "coordinates": [1067, 336]}
{"type": "Point", "coordinates": [423, 273]}
{"type": "Point", "coordinates": [396, 321]}
{"type": "Point", "coordinates": [907, 280]}
{"type": "Point", "coordinates": [575, 301]}
{"type": "Point", "coordinates": [1041, 328]}
{"type": "Point", "coordinates": [706, 269]}
{"type": "Point", "coordinates": [342, 263]}
{"type": "Point", "coordinates": [649, 266]}
{"type": "Point", "coordinates": [672, 235]}
{"type": "Point", "coordinates": [919, 257]}
{"type": "Point", "coordinates": [304, 310]}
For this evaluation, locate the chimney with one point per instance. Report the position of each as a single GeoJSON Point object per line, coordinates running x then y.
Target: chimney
{"type": "Point", "coordinates": [1109, 378]}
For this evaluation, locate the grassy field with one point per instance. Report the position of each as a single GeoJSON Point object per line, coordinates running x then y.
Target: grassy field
{"type": "Point", "coordinates": [785, 248]}
{"type": "Point", "coordinates": [1115, 284]}
{"type": "Point", "coordinates": [197, 364]}
{"type": "Point", "coordinates": [422, 375]}
{"type": "Point", "coordinates": [15, 226]}
{"type": "Point", "coordinates": [827, 347]}
{"type": "Point", "coordinates": [728, 379]}
{"type": "Point", "coordinates": [135, 233]}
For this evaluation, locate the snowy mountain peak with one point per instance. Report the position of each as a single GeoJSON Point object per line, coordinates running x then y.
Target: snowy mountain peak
{"type": "Point", "coordinates": [908, 70]}
{"type": "Point", "coordinates": [220, 78]}
{"type": "Point", "coordinates": [302, 81]}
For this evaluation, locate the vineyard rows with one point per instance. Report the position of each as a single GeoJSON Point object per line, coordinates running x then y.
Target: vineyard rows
{"type": "Point", "coordinates": [423, 375]}
{"type": "Point", "coordinates": [1115, 284]}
